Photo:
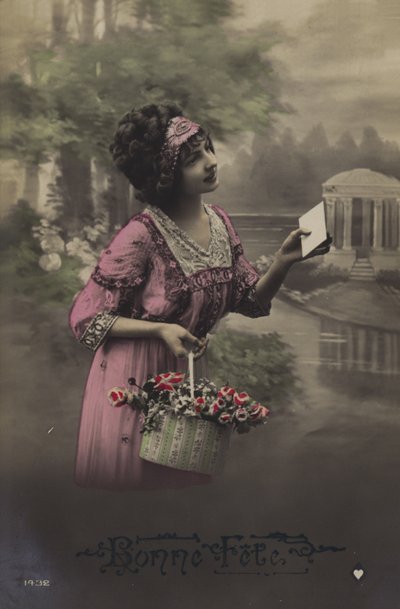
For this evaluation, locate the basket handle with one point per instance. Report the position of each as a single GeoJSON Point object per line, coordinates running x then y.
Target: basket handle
{"type": "Point", "coordinates": [191, 373]}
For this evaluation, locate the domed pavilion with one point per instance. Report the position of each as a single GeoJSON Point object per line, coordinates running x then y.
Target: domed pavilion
{"type": "Point", "coordinates": [363, 217]}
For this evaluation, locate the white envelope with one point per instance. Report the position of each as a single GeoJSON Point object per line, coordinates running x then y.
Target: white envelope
{"type": "Point", "coordinates": [313, 220]}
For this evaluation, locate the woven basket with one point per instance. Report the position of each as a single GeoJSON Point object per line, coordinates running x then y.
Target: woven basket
{"type": "Point", "coordinates": [187, 443]}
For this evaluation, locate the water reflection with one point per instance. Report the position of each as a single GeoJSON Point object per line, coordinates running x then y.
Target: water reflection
{"type": "Point", "coordinates": [358, 348]}
{"type": "Point", "coordinates": [359, 360]}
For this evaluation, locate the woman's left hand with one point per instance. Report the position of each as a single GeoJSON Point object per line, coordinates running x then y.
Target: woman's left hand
{"type": "Point", "coordinates": [290, 250]}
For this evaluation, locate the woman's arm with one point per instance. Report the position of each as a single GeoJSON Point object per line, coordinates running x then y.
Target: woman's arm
{"type": "Point", "coordinates": [289, 253]}
{"type": "Point", "coordinates": [174, 335]}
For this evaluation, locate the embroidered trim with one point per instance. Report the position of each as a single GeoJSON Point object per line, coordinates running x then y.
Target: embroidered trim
{"type": "Point", "coordinates": [175, 279]}
{"type": "Point", "coordinates": [250, 306]}
{"type": "Point", "coordinates": [111, 282]}
{"type": "Point", "coordinates": [97, 330]}
{"type": "Point", "coordinates": [211, 312]}
{"type": "Point", "coordinates": [215, 275]}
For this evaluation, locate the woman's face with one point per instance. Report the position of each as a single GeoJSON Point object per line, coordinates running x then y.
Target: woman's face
{"type": "Point", "coordinates": [199, 169]}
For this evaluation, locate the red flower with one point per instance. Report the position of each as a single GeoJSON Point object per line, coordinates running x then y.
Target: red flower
{"type": "Point", "coordinates": [225, 418]}
{"type": "Point", "coordinates": [118, 396]}
{"type": "Point", "coordinates": [217, 406]}
{"type": "Point", "coordinates": [241, 398]}
{"type": "Point", "coordinates": [169, 377]}
{"type": "Point", "coordinates": [227, 393]}
{"type": "Point", "coordinates": [241, 414]}
{"type": "Point", "coordinates": [255, 412]}
{"type": "Point", "coordinates": [164, 387]}
{"type": "Point", "coordinates": [200, 405]}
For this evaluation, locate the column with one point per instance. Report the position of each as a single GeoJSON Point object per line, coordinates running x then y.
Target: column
{"type": "Point", "coordinates": [378, 213]}
{"type": "Point", "coordinates": [398, 224]}
{"type": "Point", "coordinates": [347, 204]}
{"type": "Point", "coordinates": [330, 219]}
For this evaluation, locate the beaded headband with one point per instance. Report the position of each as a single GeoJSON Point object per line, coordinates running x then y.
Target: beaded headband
{"type": "Point", "coordinates": [179, 130]}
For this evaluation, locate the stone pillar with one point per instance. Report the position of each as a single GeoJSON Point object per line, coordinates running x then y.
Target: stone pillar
{"type": "Point", "coordinates": [398, 224]}
{"type": "Point", "coordinates": [347, 204]}
{"type": "Point", "coordinates": [361, 348]}
{"type": "Point", "coordinates": [374, 341]}
{"type": "Point", "coordinates": [350, 347]}
{"type": "Point", "coordinates": [330, 219]}
{"type": "Point", "coordinates": [378, 226]}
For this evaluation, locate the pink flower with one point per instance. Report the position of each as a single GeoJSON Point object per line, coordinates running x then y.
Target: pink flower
{"type": "Point", "coordinates": [241, 415]}
{"type": "Point", "coordinates": [164, 387]}
{"type": "Point", "coordinates": [258, 412]}
{"type": "Point", "coordinates": [241, 398]}
{"type": "Point", "coordinates": [227, 393]}
{"type": "Point", "coordinates": [118, 396]}
{"type": "Point", "coordinates": [255, 412]}
{"type": "Point", "coordinates": [170, 377]}
{"type": "Point", "coordinates": [225, 418]}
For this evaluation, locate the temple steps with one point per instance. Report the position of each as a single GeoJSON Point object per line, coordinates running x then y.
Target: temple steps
{"type": "Point", "coordinates": [362, 270]}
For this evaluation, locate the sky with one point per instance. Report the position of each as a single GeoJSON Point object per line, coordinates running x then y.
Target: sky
{"type": "Point", "coordinates": [341, 65]}
{"type": "Point", "coordinates": [291, 12]}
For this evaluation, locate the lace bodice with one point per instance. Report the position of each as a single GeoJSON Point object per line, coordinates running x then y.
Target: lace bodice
{"type": "Point", "coordinates": [190, 255]}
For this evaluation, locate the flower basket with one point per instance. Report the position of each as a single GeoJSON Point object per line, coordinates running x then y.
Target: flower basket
{"type": "Point", "coordinates": [188, 426]}
{"type": "Point", "coordinates": [187, 443]}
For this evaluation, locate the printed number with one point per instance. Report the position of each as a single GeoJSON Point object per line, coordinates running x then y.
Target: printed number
{"type": "Point", "coordinates": [37, 582]}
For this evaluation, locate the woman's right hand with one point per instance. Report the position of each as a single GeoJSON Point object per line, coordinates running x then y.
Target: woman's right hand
{"type": "Point", "coordinates": [175, 336]}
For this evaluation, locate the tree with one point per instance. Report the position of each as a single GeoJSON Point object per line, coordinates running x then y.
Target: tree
{"type": "Point", "coordinates": [371, 150]}
{"type": "Point", "coordinates": [222, 79]}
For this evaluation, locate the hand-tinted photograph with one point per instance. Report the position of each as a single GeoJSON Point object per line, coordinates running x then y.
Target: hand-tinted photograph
{"type": "Point", "coordinates": [200, 339]}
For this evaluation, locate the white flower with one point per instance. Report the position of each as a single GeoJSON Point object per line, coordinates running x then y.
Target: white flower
{"type": "Point", "coordinates": [52, 244]}
{"type": "Point", "coordinates": [81, 248]}
{"type": "Point", "coordinates": [84, 274]}
{"type": "Point", "coordinates": [50, 262]}
{"type": "Point", "coordinates": [88, 258]}
{"type": "Point", "coordinates": [91, 233]}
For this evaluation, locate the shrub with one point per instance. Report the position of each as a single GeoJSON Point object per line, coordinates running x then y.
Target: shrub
{"type": "Point", "coordinates": [389, 277]}
{"type": "Point", "coordinates": [263, 366]}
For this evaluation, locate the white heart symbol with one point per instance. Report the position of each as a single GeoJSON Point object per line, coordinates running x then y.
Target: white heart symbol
{"type": "Point", "coordinates": [358, 573]}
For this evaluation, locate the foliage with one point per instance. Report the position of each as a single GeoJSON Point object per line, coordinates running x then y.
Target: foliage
{"type": "Point", "coordinates": [78, 94]}
{"type": "Point", "coordinates": [285, 173]}
{"type": "Point", "coordinates": [263, 365]}
{"type": "Point", "coordinates": [309, 276]}
{"type": "Point", "coordinates": [17, 225]}
{"type": "Point", "coordinates": [41, 260]}
{"type": "Point", "coordinates": [21, 273]}
{"type": "Point", "coordinates": [31, 129]}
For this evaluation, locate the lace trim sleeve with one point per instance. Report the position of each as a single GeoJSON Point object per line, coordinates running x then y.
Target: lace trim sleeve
{"type": "Point", "coordinates": [97, 330]}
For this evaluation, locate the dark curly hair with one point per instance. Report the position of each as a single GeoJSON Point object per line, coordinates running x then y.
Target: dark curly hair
{"type": "Point", "coordinates": [136, 151]}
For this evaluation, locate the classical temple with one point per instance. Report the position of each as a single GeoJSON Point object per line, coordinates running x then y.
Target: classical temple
{"type": "Point", "coordinates": [363, 217]}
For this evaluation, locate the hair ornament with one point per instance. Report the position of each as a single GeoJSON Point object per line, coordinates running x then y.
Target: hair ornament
{"type": "Point", "coordinates": [179, 130]}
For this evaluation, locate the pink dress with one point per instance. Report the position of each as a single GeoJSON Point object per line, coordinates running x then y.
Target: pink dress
{"type": "Point", "coordinates": [154, 271]}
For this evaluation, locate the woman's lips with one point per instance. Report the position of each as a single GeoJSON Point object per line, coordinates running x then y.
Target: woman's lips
{"type": "Point", "coordinates": [212, 177]}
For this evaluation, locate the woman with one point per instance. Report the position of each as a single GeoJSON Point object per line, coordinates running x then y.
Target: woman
{"type": "Point", "coordinates": [163, 282]}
